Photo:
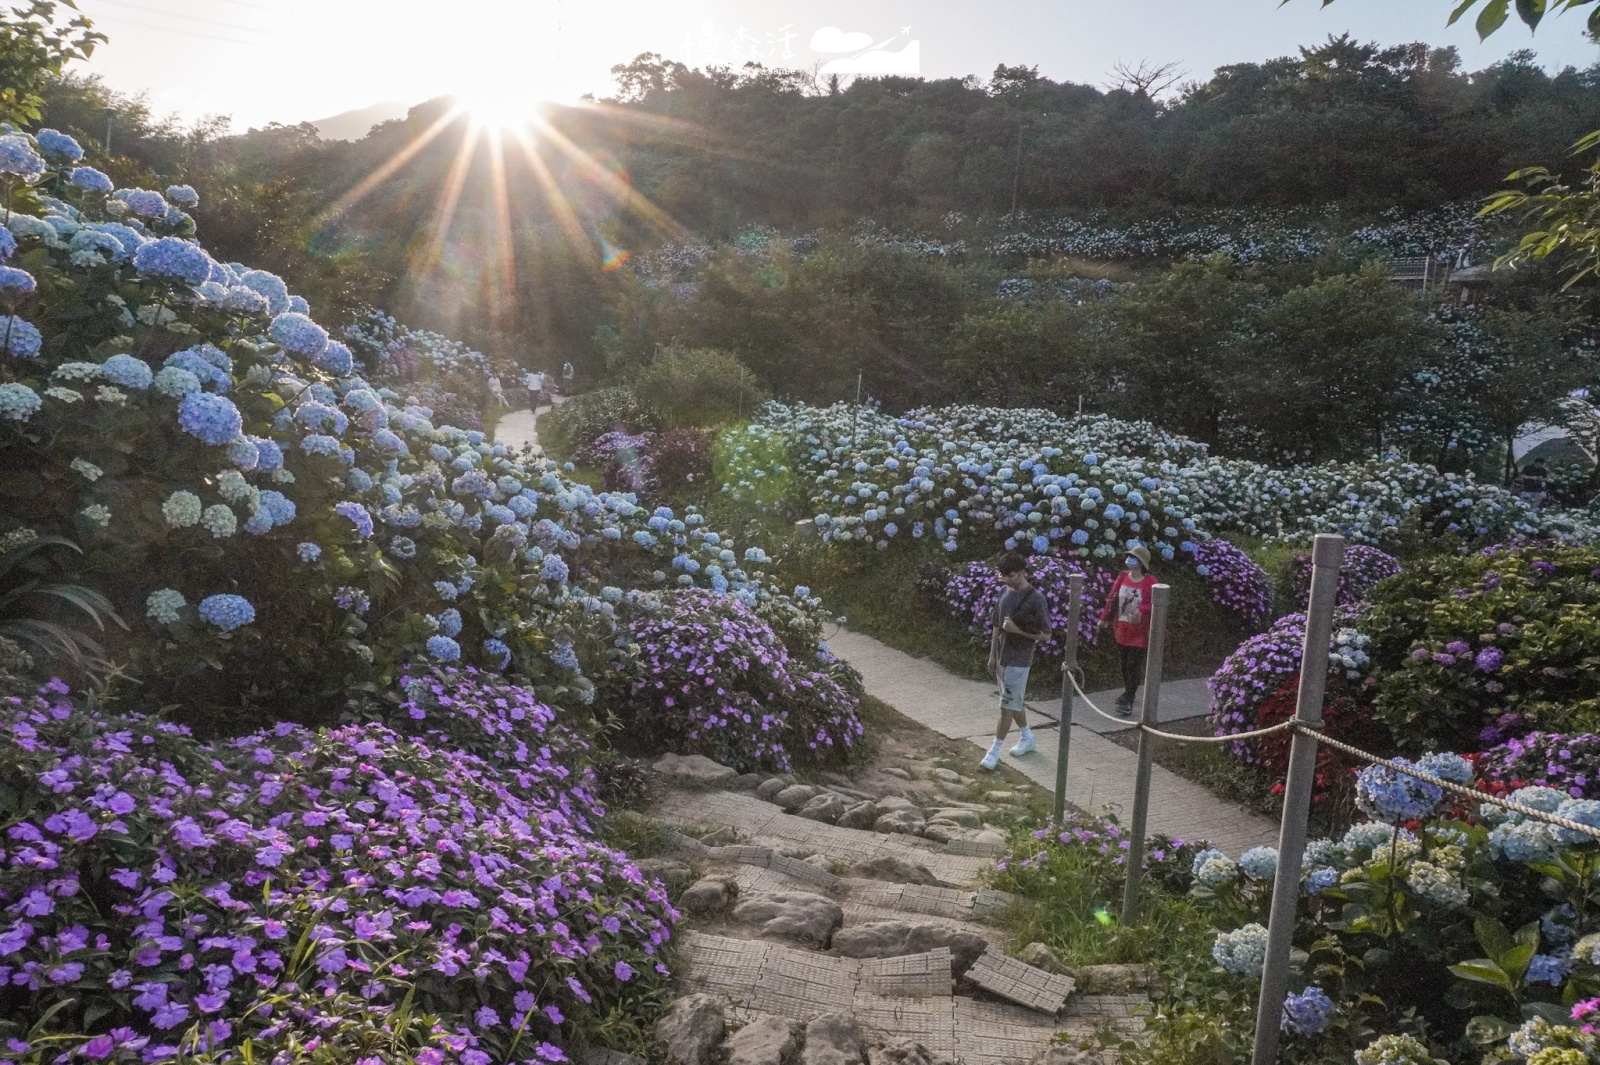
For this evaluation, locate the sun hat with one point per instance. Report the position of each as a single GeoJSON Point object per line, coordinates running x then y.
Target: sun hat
{"type": "Point", "coordinates": [1142, 554]}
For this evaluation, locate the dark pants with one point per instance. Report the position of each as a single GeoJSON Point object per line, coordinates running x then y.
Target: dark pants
{"type": "Point", "coordinates": [1132, 659]}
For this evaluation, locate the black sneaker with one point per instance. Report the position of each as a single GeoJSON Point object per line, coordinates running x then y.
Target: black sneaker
{"type": "Point", "coordinates": [1125, 704]}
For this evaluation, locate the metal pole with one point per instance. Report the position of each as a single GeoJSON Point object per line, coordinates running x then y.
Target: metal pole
{"type": "Point", "coordinates": [1326, 559]}
{"type": "Point", "coordinates": [1069, 662]}
{"type": "Point", "coordinates": [1149, 714]}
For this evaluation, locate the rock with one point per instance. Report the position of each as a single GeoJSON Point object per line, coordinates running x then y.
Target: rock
{"type": "Point", "coordinates": [1041, 957]}
{"type": "Point", "coordinates": [1001, 796]}
{"type": "Point", "coordinates": [900, 1052]}
{"type": "Point", "coordinates": [792, 915]}
{"type": "Point", "coordinates": [669, 872]}
{"type": "Point", "coordinates": [833, 1039]}
{"type": "Point", "coordinates": [746, 782]}
{"type": "Point", "coordinates": [904, 821]}
{"type": "Point", "coordinates": [710, 895]}
{"type": "Point", "coordinates": [821, 861]}
{"type": "Point", "coordinates": [604, 1056]}
{"type": "Point", "coordinates": [691, 1030]}
{"type": "Point", "coordinates": [1065, 1055]}
{"type": "Point", "coordinates": [768, 1041]}
{"type": "Point", "coordinates": [694, 769]}
{"type": "Point", "coordinates": [1112, 979]}
{"type": "Point", "coordinates": [795, 796]}
{"type": "Point", "coordinates": [895, 771]}
{"type": "Point", "coordinates": [850, 793]}
{"type": "Point", "coordinates": [948, 775]}
{"type": "Point", "coordinates": [942, 832]}
{"type": "Point", "coordinates": [965, 818]}
{"type": "Point", "coordinates": [990, 835]}
{"type": "Point", "coordinates": [861, 815]}
{"type": "Point", "coordinates": [720, 837]}
{"type": "Point", "coordinates": [898, 802]}
{"type": "Point", "coordinates": [955, 791]}
{"type": "Point", "coordinates": [827, 808]}
{"type": "Point", "coordinates": [893, 939]}
{"type": "Point", "coordinates": [770, 787]}
{"type": "Point", "coordinates": [896, 870]}
{"type": "Point", "coordinates": [838, 780]}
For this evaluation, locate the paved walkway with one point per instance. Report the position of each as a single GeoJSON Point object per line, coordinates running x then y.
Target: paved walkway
{"type": "Point", "coordinates": [1099, 772]}
{"type": "Point", "coordinates": [519, 428]}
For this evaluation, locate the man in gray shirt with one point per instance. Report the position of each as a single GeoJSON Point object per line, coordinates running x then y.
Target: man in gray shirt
{"type": "Point", "coordinates": [1021, 622]}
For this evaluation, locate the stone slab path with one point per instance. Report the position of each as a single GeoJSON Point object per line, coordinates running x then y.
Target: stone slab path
{"type": "Point", "coordinates": [1100, 773]}
{"type": "Point", "coordinates": [519, 428]}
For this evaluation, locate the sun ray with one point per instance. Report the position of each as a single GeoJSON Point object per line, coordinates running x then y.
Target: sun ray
{"type": "Point", "coordinates": [565, 216]}
{"type": "Point", "coordinates": [387, 169]}
{"type": "Point", "coordinates": [450, 198]}
{"type": "Point", "coordinates": [502, 283]}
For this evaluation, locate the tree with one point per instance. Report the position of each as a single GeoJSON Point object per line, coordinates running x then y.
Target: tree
{"type": "Point", "coordinates": [33, 51]}
{"type": "Point", "coordinates": [1493, 14]}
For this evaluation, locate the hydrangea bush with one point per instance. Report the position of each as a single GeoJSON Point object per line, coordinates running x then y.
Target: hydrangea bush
{"type": "Point", "coordinates": [284, 531]}
{"type": "Point", "coordinates": [432, 894]}
{"type": "Point", "coordinates": [1265, 662]}
{"type": "Point", "coordinates": [425, 367]}
{"type": "Point", "coordinates": [1364, 566]}
{"type": "Point", "coordinates": [1237, 581]}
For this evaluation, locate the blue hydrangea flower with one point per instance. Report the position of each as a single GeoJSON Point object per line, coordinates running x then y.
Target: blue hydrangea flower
{"type": "Point", "coordinates": [227, 612]}
{"type": "Point", "coordinates": [1308, 1012]}
{"type": "Point", "coordinates": [17, 157]}
{"type": "Point", "coordinates": [127, 371]}
{"type": "Point", "coordinates": [1260, 862]}
{"type": "Point", "coordinates": [183, 195]}
{"type": "Point", "coordinates": [334, 357]}
{"type": "Point", "coordinates": [15, 281]}
{"type": "Point", "coordinates": [308, 552]}
{"type": "Point", "coordinates": [298, 335]}
{"type": "Point", "coordinates": [1548, 969]}
{"type": "Point", "coordinates": [268, 286]}
{"type": "Point", "coordinates": [58, 145]}
{"type": "Point", "coordinates": [8, 244]}
{"type": "Point", "coordinates": [319, 444]}
{"type": "Point", "coordinates": [497, 650]}
{"type": "Point", "coordinates": [359, 516]}
{"type": "Point", "coordinates": [1392, 796]}
{"type": "Point", "coordinates": [450, 622]}
{"type": "Point", "coordinates": [174, 381]}
{"type": "Point", "coordinates": [173, 258]}
{"type": "Point", "coordinates": [1583, 811]}
{"type": "Point", "coordinates": [1321, 879]}
{"type": "Point", "coordinates": [19, 337]}
{"type": "Point", "coordinates": [212, 418]}
{"type": "Point", "coordinates": [1447, 766]}
{"type": "Point", "coordinates": [299, 304]}
{"type": "Point", "coordinates": [554, 569]}
{"type": "Point", "coordinates": [18, 402]}
{"type": "Point", "coordinates": [89, 179]}
{"type": "Point", "coordinates": [148, 204]}
{"type": "Point", "coordinates": [444, 648]}
{"type": "Point", "coordinates": [1242, 951]}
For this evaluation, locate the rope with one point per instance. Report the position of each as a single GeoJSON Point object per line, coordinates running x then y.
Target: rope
{"type": "Point", "coordinates": [1449, 785]}
{"type": "Point", "coordinates": [1129, 723]}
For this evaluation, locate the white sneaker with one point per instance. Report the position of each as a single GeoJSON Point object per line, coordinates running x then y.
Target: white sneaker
{"type": "Point", "coordinates": [1024, 746]}
{"type": "Point", "coordinates": [991, 759]}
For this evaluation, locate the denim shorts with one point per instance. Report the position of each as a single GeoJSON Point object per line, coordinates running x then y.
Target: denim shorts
{"type": "Point", "coordinates": [1013, 687]}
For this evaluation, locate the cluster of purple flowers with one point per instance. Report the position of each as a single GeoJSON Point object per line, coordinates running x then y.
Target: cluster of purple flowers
{"type": "Point", "coordinates": [162, 897]}
{"type": "Point", "coordinates": [1567, 763]}
{"type": "Point", "coordinates": [1364, 566]}
{"type": "Point", "coordinates": [625, 460]}
{"type": "Point", "coordinates": [1252, 673]}
{"type": "Point", "coordinates": [710, 675]}
{"type": "Point", "coordinates": [973, 592]}
{"type": "Point", "coordinates": [1237, 581]}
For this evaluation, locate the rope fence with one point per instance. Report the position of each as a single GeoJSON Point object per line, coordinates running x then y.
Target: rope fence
{"type": "Point", "coordinates": [1305, 731]}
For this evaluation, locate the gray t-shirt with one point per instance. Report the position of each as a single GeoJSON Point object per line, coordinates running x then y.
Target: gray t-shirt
{"type": "Point", "coordinates": [1031, 613]}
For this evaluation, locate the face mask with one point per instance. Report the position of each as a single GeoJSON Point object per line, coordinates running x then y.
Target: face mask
{"type": "Point", "coordinates": [1131, 563]}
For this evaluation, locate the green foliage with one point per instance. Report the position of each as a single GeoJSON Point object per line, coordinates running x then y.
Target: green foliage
{"type": "Point", "coordinates": [34, 46]}
{"type": "Point", "coordinates": [1530, 613]}
{"type": "Point", "coordinates": [45, 616]}
{"type": "Point", "coordinates": [1494, 13]}
{"type": "Point", "coordinates": [1565, 215]}
{"type": "Point", "coordinates": [584, 418]}
{"type": "Point", "coordinates": [699, 387]}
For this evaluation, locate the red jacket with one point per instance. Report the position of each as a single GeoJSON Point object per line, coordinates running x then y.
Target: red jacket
{"type": "Point", "coordinates": [1130, 633]}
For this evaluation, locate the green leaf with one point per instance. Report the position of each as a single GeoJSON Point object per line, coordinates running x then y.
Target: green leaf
{"type": "Point", "coordinates": [1515, 962]}
{"type": "Point", "coordinates": [1459, 11]}
{"type": "Point", "coordinates": [1492, 936]}
{"type": "Point", "coordinates": [1530, 12]}
{"type": "Point", "coordinates": [1528, 936]}
{"type": "Point", "coordinates": [1492, 17]}
{"type": "Point", "coordinates": [1482, 971]}
{"type": "Point", "coordinates": [1489, 1029]}
{"type": "Point", "coordinates": [1594, 22]}
{"type": "Point", "coordinates": [1547, 1010]}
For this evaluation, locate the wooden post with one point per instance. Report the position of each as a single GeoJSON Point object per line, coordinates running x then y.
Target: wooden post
{"type": "Point", "coordinates": [1149, 714]}
{"type": "Point", "coordinates": [1326, 559]}
{"type": "Point", "coordinates": [1069, 663]}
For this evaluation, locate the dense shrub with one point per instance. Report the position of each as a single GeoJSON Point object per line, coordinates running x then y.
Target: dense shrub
{"type": "Point", "coordinates": [1364, 566]}
{"type": "Point", "coordinates": [1459, 640]}
{"type": "Point", "coordinates": [1570, 764]}
{"type": "Point", "coordinates": [284, 534]}
{"type": "Point", "coordinates": [565, 429]}
{"type": "Point", "coordinates": [625, 462]}
{"type": "Point", "coordinates": [683, 460]}
{"type": "Point", "coordinates": [700, 387]}
{"type": "Point", "coordinates": [427, 894]}
{"type": "Point", "coordinates": [425, 368]}
{"type": "Point", "coordinates": [709, 676]}
{"type": "Point", "coordinates": [1237, 581]}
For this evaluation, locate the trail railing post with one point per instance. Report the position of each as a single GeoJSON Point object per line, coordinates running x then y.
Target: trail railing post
{"type": "Point", "coordinates": [1069, 662]}
{"type": "Point", "coordinates": [1326, 559]}
{"type": "Point", "coordinates": [1148, 715]}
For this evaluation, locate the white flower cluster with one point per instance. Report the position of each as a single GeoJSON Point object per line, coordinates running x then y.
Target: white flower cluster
{"type": "Point", "coordinates": [1094, 485]}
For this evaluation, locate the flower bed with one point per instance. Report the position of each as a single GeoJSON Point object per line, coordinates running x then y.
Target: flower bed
{"type": "Point", "coordinates": [972, 593]}
{"type": "Point", "coordinates": [425, 367]}
{"type": "Point", "coordinates": [1364, 566]}
{"type": "Point", "coordinates": [365, 891]}
{"type": "Point", "coordinates": [1236, 580]}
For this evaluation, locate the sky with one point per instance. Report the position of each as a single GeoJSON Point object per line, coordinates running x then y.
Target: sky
{"type": "Point", "coordinates": [260, 61]}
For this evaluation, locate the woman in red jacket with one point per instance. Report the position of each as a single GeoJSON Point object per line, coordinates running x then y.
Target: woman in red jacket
{"type": "Point", "coordinates": [1127, 614]}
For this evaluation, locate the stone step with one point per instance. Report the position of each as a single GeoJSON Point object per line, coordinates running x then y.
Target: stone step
{"type": "Point", "coordinates": [1020, 982]}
